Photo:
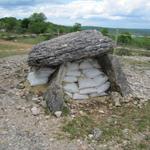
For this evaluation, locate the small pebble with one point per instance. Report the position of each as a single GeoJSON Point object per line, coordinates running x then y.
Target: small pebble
{"type": "Point", "coordinates": [117, 102]}
{"type": "Point", "coordinates": [47, 117]}
{"type": "Point", "coordinates": [35, 111]}
{"type": "Point", "coordinates": [20, 86]}
{"type": "Point", "coordinates": [58, 113]}
{"type": "Point", "coordinates": [101, 111]}
{"type": "Point", "coordinates": [90, 136]}
{"type": "Point", "coordinates": [51, 139]}
{"type": "Point", "coordinates": [35, 99]}
{"type": "Point", "coordinates": [73, 116]}
{"type": "Point", "coordinates": [17, 93]}
{"type": "Point", "coordinates": [18, 107]}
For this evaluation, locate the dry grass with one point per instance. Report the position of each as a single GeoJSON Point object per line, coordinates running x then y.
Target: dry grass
{"type": "Point", "coordinates": [8, 48]}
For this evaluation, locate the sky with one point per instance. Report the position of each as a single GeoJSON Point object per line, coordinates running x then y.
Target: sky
{"type": "Point", "coordinates": [105, 13]}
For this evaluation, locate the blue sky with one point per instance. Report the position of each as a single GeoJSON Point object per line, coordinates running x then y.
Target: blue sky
{"type": "Point", "coordinates": [108, 13]}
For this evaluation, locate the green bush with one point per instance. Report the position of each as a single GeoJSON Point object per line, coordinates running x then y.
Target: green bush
{"type": "Point", "coordinates": [125, 38]}
{"type": "Point", "coordinates": [77, 27]}
{"type": "Point", "coordinates": [104, 31]}
{"type": "Point", "coordinates": [141, 42]}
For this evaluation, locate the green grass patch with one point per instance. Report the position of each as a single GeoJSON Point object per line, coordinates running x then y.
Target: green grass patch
{"type": "Point", "coordinates": [6, 53]}
{"type": "Point", "coordinates": [134, 119]}
{"type": "Point", "coordinates": [110, 130]}
{"type": "Point", "coordinates": [31, 40]}
{"type": "Point", "coordinates": [47, 111]}
{"type": "Point", "coordinates": [8, 47]}
{"type": "Point", "coordinates": [141, 42]}
{"type": "Point", "coordinates": [142, 146]}
{"type": "Point", "coordinates": [65, 111]}
{"type": "Point", "coordinates": [80, 126]}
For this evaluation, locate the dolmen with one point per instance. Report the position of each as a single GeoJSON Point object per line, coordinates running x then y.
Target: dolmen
{"type": "Point", "coordinates": [77, 65]}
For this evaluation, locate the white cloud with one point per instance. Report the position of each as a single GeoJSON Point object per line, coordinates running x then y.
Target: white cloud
{"type": "Point", "coordinates": [87, 9]}
{"type": "Point", "coordinates": [108, 9]}
{"type": "Point", "coordinates": [19, 13]}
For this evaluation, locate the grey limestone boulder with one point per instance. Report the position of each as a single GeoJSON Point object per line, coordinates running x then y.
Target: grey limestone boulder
{"type": "Point", "coordinates": [69, 47]}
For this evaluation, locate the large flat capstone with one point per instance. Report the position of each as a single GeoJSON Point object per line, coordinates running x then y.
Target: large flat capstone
{"type": "Point", "coordinates": [69, 47]}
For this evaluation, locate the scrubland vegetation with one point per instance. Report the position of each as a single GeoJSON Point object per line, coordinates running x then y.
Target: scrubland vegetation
{"type": "Point", "coordinates": [36, 28]}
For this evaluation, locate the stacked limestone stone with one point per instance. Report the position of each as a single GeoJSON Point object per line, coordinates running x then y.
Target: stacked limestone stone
{"type": "Point", "coordinates": [85, 79]}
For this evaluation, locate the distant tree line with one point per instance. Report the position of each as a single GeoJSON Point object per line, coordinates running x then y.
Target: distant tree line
{"type": "Point", "coordinates": [126, 39]}
{"type": "Point", "coordinates": [37, 23]}
{"type": "Point", "coordinates": [122, 38]}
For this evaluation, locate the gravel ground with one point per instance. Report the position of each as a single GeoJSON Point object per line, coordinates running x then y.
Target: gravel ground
{"type": "Point", "coordinates": [137, 70]}
{"type": "Point", "coordinates": [20, 129]}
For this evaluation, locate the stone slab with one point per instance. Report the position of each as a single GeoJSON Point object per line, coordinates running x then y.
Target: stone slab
{"type": "Point", "coordinates": [103, 88]}
{"type": "Point", "coordinates": [86, 83]}
{"type": "Point", "coordinates": [80, 97]}
{"type": "Point", "coordinates": [71, 87]}
{"type": "Point", "coordinates": [70, 79]}
{"type": "Point", "coordinates": [100, 80]}
{"type": "Point", "coordinates": [88, 91]}
{"type": "Point", "coordinates": [73, 73]}
{"type": "Point", "coordinates": [40, 76]}
{"type": "Point", "coordinates": [92, 72]}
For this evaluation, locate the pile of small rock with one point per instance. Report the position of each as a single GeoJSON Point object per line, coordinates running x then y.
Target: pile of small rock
{"type": "Point", "coordinates": [85, 79]}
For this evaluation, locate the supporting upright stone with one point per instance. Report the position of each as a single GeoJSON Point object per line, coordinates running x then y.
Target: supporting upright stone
{"type": "Point", "coordinates": [55, 96]}
{"type": "Point", "coordinates": [112, 68]}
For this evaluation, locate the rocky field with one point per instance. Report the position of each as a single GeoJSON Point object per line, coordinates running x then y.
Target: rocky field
{"type": "Point", "coordinates": [112, 122]}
